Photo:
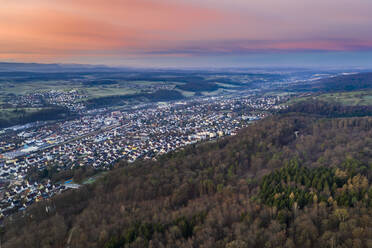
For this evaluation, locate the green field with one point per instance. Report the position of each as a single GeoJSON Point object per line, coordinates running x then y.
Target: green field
{"type": "Point", "coordinates": [100, 91]}
{"type": "Point", "coordinates": [92, 91]}
{"type": "Point", "coordinates": [353, 98]}
{"type": "Point", "coordinates": [217, 92]}
{"type": "Point", "coordinates": [349, 98]}
{"type": "Point", "coordinates": [28, 87]}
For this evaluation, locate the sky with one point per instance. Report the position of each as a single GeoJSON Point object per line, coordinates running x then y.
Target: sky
{"type": "Point", "coordinates": [188, 33]}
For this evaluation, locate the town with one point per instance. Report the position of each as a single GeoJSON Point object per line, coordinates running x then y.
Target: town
{"type": "Point", "coordinates": [98, 138]}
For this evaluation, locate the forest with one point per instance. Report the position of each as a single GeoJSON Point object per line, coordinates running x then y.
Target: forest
{"type": "Point", "coordinates": [21, 116]}
{"type": "Point", "coordinates": [328, 109]}
{"type": "Point", "coordinates": [290, 180]}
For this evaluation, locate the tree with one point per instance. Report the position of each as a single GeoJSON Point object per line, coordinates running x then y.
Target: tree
{"type": "Point", "coordinates": [341, 214]}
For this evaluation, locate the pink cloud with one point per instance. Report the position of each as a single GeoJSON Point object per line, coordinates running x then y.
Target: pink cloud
{"type": "Point", "coordinates": [52, 29]}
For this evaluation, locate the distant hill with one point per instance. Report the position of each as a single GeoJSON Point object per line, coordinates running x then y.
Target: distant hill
{"type": "Point", "coordinates": [351, 82]}
{"type": "Point", "coordinates": [50, 68]}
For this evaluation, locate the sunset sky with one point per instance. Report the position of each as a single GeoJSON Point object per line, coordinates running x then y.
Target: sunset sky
{"type": "Point", "coordinates": [188, 32]}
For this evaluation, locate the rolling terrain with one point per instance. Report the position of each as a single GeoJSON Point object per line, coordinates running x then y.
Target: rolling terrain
{"type": "Point", "coordinates": [27, 91]}
{"type": "Point", "coordinates": [290, 180]}
{"type": "Point", "coordinates": [298, 178]}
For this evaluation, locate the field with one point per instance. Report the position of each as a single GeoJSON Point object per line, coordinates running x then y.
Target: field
{"type": "Point", "coordinates": [93, 91]}
{"type": "Point", "coordinates": [349, 98]}
{"type": "Point", "coordinates": [100, 91]}
{"type": "Point", "coordinates": [352, 98]}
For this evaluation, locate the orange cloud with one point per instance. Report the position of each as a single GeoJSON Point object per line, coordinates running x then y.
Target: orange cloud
{"type": "Point", "coordinates": [78, 26]}
{"type": "Point", "coordinates": [48, 29]}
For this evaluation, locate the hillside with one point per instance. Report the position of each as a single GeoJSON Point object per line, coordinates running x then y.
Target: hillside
{"type": "Point", "coordinates": [287, 181]}
{"type": "Point", "coordinates": [350, 82]}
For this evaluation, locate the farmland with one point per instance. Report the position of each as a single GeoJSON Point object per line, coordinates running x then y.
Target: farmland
{"type": "Point", "coordinates": [351, 98]}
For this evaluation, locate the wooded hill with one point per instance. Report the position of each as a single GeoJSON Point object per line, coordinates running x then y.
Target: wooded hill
{"type": "Point", "coordinates": [350, 82]}
{"type": "Point", "coordinates": [290, 180]}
